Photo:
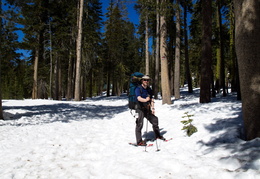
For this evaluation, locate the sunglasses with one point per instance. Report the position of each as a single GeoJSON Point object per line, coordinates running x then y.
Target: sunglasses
{"type": "Point", "coordinates": [146, 80]}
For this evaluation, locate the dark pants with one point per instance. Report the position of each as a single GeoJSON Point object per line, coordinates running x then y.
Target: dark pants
{"type": "Point", "coordinates": [139, 124]}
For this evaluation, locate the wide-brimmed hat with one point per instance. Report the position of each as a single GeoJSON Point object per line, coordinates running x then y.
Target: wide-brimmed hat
{"type": "Point", "coordinates": [146, 77]}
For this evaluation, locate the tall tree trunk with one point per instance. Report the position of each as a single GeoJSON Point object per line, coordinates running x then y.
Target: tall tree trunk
{"type": "Point", "coordinates": [218, 57]}
{"type": "Point", "coordinates": [206, 60]}
{"type": "Point", "coordinates": [59, 80]}
{"type": "Point", "coordinates": [222, 66]}
{"type": "Point", "coordinates": [187, 61]}
{"type": "Point", "coordinates": [234, 69]}
{"type": "Point", "coordinates": [35, 74]}
{"type": "Point", "coordinates": [166, 93]}
{"type": "Point", "coordinates": [1, 28]}
{"type": "Point", "coordinates": [1, 109]}
{"type": "Point", "coordinates": [42, 16]}
{"type": "Point", "coordinates": [171, 42]}
{"type": "Point", "coordinates": [220, 81]}
{"type": "Point", "coordinates": [78, 52]}
{"type": "Point", "coordinates": [70, 78]}
{"type": "Point", "coordinates": [56, 74]}
{"type": "Point", "coordinates": [51, 61]}
{"type": "Point", "coordinates": [247, 40]}
{"type": "Point", "coordinates": [157, 56]}
{"type": "Point", "coordinates": [177, 53]}
{"type": "Point", "coordinates": [147, 64]}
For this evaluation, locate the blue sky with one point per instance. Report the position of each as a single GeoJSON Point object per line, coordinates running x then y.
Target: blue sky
{"type": "Point", "coordinates": [132, 15]}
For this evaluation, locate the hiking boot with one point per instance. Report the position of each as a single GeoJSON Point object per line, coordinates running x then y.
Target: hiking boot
{"type": "Point", "coordinates": [142, 143]}
{"type": "Point", "coordinates": [161, 137]}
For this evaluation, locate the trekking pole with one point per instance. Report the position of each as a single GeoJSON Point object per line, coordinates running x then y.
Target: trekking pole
{"type": "Point", "coordinates": [146, 133]}
{"type": "Point", "coordinates": [157, 146]}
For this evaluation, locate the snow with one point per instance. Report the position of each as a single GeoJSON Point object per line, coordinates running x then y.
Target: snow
{"type": "Point", "coordinates": [50, 139]}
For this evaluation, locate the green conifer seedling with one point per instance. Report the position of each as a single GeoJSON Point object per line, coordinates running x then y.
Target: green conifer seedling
{"type": "Point", "coordinates": [190, 129]}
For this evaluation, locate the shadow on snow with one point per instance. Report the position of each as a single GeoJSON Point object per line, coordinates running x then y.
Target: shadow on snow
{"type": "Point", "coordinates": [229, 131]}
{"type": "Point", "coordinates": [62, 112]}
{"type": "Point", "coordinates": [230, 136]}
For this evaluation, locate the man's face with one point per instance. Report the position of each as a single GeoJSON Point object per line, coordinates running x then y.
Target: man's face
{"type": "Point", "coordinates": [145, 81]}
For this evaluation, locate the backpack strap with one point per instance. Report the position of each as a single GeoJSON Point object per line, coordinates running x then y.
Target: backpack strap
{"type": "Point", "coordinates": [149, 90]}
{"type": "Point", "coordinates": [140, 88]}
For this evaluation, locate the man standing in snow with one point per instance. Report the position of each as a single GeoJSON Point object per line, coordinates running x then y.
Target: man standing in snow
{"type": "Point", "coordinates": [145, 108]}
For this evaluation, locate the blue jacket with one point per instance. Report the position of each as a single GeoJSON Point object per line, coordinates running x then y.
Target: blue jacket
{"type": "Point", "coordinates": [144, 93]}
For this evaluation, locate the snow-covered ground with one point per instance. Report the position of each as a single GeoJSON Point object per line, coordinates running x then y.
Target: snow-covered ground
{"type": "Point", "coordinates": [89, 139]}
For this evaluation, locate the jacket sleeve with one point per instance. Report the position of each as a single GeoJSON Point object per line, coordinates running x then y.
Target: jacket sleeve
{"type": "Point", "coordinates": [137, 92]}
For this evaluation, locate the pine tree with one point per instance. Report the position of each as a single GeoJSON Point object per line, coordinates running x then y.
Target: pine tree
{"type": "Point", "coordinates": [145, 10]}
{"type": "Point", "coordinates": [232, 75]}
{"type": "Point", "coordinates": [10, 59]}
{"type": "Point", "coordinates": [166, 94]}
{"type": "Point", "coordinates": [206, 59]}
{"type": "Point", "coordinates": [177, 53]}
{"type": "Point", "coordinates": [115, 41]}
{"type": "Point", "coordinates": [157, 51]}
{"type": "Point", "coordinates": [34, 18]}
{"type": "Point", "coordinates": [247, 40]}
{"type": "Point", "coordinates": [78, 50]}
{"type": "Point", "coordinates": [220, 76]}
{"type": "Point", "coordinates": [196, 37]}
{"type": "Point", "coordinates": [91, 47]}
{"type": "Point", "coordinates": [1, 39]}
{"type": "Point", "coordinates": [63, 19]}
{"type": "Point", "coordinates": [187, 5]}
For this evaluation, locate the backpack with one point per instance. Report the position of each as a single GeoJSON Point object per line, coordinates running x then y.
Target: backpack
{"type": "Point", "coordinates": [135, 81]}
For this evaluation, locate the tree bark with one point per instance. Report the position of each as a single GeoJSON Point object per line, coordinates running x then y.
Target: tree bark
{"type": "Point", "coordinates": [59, 80]}
{"type": "Point", "coordinates": [206, 59]}
{"type": "Point", "coordinates": [70, 78]}
{"type": "Point", "coordinates": [166, 93]}
{"type": "Point", "coordinates": [157, 57]}
{"type": "Point", "coordinates": [222, 67]}
{"type": "Point", "coordinates": [35, 74]}
{"type": "Point", "coordinates": [233, 71]}
{"type": "Point", "coordinates": [56, 77]}
{"type": "Point", "coordinates": [51, 62]}
{"type": "Point", "coordinates": [247, 38]}
{"type": "Point", "coordinates": [220, 82]}
{"type": "Point", "coordinates": [1, 26]}
{"type": "Point", "coordinates": [78, 52]}
{"type": "Point", "coordinates": [147, 64]}
{"type": "Point", "coordinates": [177, 53]}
